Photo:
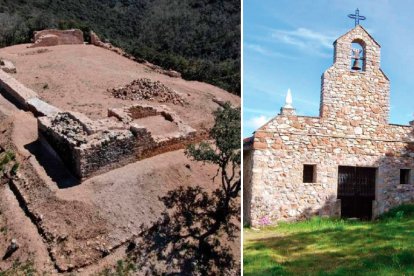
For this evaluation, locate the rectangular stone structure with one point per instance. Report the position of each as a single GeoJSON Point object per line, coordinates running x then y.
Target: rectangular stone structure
{"type": "Point", "coordinates": [84, 152]}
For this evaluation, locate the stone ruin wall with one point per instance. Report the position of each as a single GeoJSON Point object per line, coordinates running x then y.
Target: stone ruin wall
{"type": "Point", "coordinates": [57, 141]}
{"type": "Point", "coordinates": [95, 40]}
{"type": "Point", "coordinates": [91, 147]}
{"type": "Point", "coordinates": [87, 153]}
{"type": "Point", "coordinates": [159, 143]}
{"type": "Point", "coordinates": [15, 91]}
{"type": "Point", "coordinates": [352, 130]}
{"type": "Point", "coordinates": [53, 37]}
{"type": "Point", "coordinates": [108, 151]}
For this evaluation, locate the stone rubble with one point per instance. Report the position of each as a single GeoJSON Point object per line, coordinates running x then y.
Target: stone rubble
{"type": "Point", "coordinates": [35, 52]}
{"type": "Point", "coordinates": [160, 70]}
{"type": "Point", "coordinates": [95, 40]}
{"type": "Point", "coordinates": [146, 89]}
{"type": "Point", "coordinates": [71, 129]}
{"type": "Point", "coordinates": [7, 66]}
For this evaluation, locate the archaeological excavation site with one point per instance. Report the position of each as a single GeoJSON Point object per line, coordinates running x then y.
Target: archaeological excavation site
{"type": "Point", "coordinates": [98, 137]}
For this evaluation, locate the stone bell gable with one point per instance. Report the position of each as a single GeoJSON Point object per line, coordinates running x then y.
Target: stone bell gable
{"type": "Point", "coordinates": [360, 96]}
{"type": "Point", "coordinates": [293, 165]}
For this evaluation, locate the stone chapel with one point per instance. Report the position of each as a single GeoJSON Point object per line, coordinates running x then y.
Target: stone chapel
{"type": "Point", "coordinates": [347, 162]}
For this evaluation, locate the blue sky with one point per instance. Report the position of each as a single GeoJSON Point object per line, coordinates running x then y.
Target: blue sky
{"type": "Point", "coordinates": [288, 44]}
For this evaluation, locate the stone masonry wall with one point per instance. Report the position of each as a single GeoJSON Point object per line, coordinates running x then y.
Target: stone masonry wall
{"type": "Point", "coordinates": [111, 149]}
{"type": "Point", "coordinates": [85, 152]}
{"type": "Point", "coordinates": [90, 147]}
{"type": "Point", "coordinates": [53, 37]}
{"type": "Point", "coordinates": [247, 187]}
{"type": "Point", "coordinates": [362, 97]}
{"type": "Point", "coordinates": [53, 130]}
{"type": "Point", "coordinates": [87, 147]}
{"type": "Point", "coordinates": [278, 191]}
{"type": "Point", "coordinates": [352, 130]}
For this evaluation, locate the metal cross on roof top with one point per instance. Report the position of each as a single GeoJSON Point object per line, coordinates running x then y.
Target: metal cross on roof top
{"type": "Point", "coordinates": [357, 17]}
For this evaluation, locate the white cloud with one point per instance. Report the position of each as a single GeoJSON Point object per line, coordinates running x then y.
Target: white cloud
{"type": "Point", "coordinates": [258, 121]}
{"type": "Point", "coordinates": [263, 51]}
{"type": "Point", "coordinates": [257, 48]}
{"type": "Point", "coordinates": [258, 111]}
{"type": "Point", "coordinates": [306, 40]}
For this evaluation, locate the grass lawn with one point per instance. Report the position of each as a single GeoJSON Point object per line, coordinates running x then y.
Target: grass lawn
{"type": "Point", "coordinates": [334, 247]}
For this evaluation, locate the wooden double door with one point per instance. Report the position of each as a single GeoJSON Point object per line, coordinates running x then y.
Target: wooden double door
{"type": "Point", "coordinates": [356, 190]}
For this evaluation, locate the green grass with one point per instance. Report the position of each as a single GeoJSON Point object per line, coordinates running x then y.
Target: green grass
{"type": "Point", "coordinates": [322, 246]}
{"type": "Point", "coordinates": [20, 269]}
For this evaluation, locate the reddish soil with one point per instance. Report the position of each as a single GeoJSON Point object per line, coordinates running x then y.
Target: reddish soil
{"type": "Point", "coordinates": [157, 125]}
{"type": "Point", "coordinates": [107, 208]}
{"type": "Point", "coordinates": [14, 224]}
{"type": "Point", "coordinates": [76, 77]}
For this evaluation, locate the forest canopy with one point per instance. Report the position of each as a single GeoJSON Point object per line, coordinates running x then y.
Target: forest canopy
{"type": "Point", "coordinates": [199, 38]}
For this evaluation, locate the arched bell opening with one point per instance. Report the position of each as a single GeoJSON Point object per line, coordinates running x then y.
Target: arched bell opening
{"type": "Point", "coordinates": [357, 55]}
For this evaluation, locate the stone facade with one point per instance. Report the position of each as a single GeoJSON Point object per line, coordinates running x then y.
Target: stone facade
{"type": "Point", "coordinates": [351, 130]}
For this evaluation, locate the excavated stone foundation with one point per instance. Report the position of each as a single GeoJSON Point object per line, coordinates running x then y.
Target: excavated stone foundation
{"type": "Point", "coordinates": [91, 147]}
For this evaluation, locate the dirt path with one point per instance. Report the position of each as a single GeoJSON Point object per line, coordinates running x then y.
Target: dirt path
{"type": "Point", "coordinates": [16, 225]}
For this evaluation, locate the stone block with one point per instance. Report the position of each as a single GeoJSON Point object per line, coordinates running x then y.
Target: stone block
{"type": "Point", "coordinates": [41, 108]}
{"type": "Point", "coordinates": [7, 66]}
{"type": "Point", "coordinates": [19, 93]}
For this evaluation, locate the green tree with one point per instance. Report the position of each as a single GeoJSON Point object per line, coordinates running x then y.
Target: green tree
{"type": "Point", "coordinates": [199, 38]}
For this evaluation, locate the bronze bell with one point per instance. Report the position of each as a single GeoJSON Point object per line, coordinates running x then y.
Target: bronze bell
{"type": "Point", "coordinates": [356, 56]}
{"type": "Point", "coordinates": [356, 66]}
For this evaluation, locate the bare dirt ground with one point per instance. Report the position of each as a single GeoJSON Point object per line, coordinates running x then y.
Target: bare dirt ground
{"type": "Point", "coordinates": [157, 125]}
{"type": "Point", "coordinates": [76, 77]}
{"type": "Point", "coordinates": [14, 223]}
{"type": "Point", "coordinates": [82, 222]}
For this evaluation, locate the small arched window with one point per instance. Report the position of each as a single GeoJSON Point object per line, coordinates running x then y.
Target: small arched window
{"type": "Point", "coordinates": [358, 55]}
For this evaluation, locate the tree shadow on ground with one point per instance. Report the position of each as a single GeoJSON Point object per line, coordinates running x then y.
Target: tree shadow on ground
{"type": "Point", "coordinates": [193, 234]}
{"type": "Point", "coordinates": [184, 241]}
{"type": "Point", "coordinates": [382, 247]}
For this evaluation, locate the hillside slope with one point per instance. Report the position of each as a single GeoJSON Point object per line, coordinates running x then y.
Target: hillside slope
{"type": "Point", "coordinates": [201, 39]}
{"type": "Point", "coordinates": [94, 219]}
